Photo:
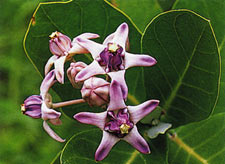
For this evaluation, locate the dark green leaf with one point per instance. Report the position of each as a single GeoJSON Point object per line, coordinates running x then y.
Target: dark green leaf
{"type": "Point", "coordinates": [185, 78]}
{"type": "Point", "coordinates": [214, 11]}
{"type": "Point", "coordinates": [198, 143]}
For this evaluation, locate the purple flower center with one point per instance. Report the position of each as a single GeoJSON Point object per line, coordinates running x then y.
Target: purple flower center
{"type": "Point", "coordinates": [111, 57]}
{"type": "Point", "coordinates": [119, 124]}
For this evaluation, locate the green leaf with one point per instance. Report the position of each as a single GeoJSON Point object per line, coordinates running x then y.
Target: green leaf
{"type": "Point", "coordinates": [166, 4]}
{"type": "Point", "coordinates": [214, 11]}
{"type": "Point", "coordinates": [95, 16]}
{"type": "Point", "coordinates": [198, 143]}
{"type": "Point", "coordinates": [82, 146]}
{"type": "Point", "coordinates": [185, 78]}
{"type": "Point", "coordinates": [145, 10]}
{"type": "Point", "coordinates": [56, 160]}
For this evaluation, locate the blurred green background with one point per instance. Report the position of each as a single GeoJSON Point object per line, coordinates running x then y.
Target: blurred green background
{"type": "Point", "coordinates": [22, 139]}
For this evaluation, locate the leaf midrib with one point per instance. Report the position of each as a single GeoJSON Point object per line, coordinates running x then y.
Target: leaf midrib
{"type": "Point", "coordinates": [187, 148]}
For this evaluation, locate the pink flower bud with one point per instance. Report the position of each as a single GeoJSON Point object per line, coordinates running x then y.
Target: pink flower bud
{"type": "Point", "coordinates": [32, 106]}
{"type": "Point", "coordinates": [73, 70]}
{"type": "Point", "coordinates": [95, 91]}
{"type": "Point", "coordinates": [59, 44]}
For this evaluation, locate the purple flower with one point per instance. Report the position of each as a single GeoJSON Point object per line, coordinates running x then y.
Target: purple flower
{"type": "Point", "coordinates": [38, 106]}
{"type": "Point", "coordinates": [95, 91]}
{"type": "Point", "coordinates": [63, 49]}
{"type": "Point", "coordinates": [119, 125]}
{"type": "Point", "coordinates": [32, 106]}
{"type": "Point", "coordinates": [111, 58]}
{"type": "Point", "coordinates": [73, 70]}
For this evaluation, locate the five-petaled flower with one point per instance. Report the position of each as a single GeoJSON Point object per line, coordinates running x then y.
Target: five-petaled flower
{"type": "Point", "coordinates": [111, 58]}
{"type": "Point", "coordinates": [119, 124]}
{"type": "Point", "coordinates": [63, 49]}
{"type": "Point", "coordinates": [38, 106]}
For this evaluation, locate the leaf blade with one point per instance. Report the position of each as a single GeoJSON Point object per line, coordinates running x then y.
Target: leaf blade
{"type": "Point", "coordinates": [185, 142]}
{"type": "Point", "coordinates": [177, 40]}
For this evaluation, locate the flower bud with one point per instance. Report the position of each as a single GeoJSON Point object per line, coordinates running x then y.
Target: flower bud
{"type": "Point", "coordinates": [59, 44]}
{"type": "Point", "coordinates": [32, 106]}
{"type": "Point", "coordinates": [73, 70]}
{"type": "Point", "coordinates": [95, 91]}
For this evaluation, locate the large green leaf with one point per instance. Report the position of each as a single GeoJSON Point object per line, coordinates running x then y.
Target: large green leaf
{"type": "Point", "coordinates": [198, 143]}
{"type": "Point", "coordinates": [214, 11]}
{"type": "Point", "coordinates": [82, 146]}
{"type": "Point", "coordinates": [185, 78]}
{"type": "Point", "coordinates": [145, 10]}
{"type": "Point", "coordinates": [81, 16]}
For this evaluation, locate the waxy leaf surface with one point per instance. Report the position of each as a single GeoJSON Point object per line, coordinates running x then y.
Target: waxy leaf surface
{"type": "Point", "coordinates": [186, 76]}
{"type": "Point", "coordinates": [198, 143]}
{"type": "Point", "coordinates": [214, 11]}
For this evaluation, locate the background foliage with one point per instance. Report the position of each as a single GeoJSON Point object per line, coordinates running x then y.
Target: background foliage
{"type": "Point", "coordinates": [24, 141]}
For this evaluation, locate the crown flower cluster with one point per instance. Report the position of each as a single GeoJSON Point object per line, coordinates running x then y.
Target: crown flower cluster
{"type": "Point", "coordinates": [118, 121]}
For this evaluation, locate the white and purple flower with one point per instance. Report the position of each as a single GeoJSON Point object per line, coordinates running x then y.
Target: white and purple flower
{"type": "Point", "coordinates": [63, 49]}
{"type": "Point", "coordinates": [38, 106]}
{"type": "Point", "coordinates": [111, 58]}
{"type": "Point", "coordinates": [119, 124]}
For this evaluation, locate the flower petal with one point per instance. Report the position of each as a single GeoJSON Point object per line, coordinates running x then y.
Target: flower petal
{"type": "Point", "coordinates": [94, 48]}
{"type": "Point", "coordinates": [49, 63]}
{"type": "Point", "coordinates": [49, 114]}
{"type": "Point", "coordinates": [54, 48]}
{"type": "Point", "coordinates": [92, 69]}
{"type": "Point", "coordinates": [76, 48]}
{"type": "Point", "coordinates": [119, 77]}
{"type": "Point", "coordinates": [140, 111]}
{"type": "Point", "coordinates": [59, 69]}
{"type": "Point", "coordinates": [116, 97]}
{"type": "Point", "coordinates": [108, 141]}
{"type": "Point", "coordinates": [137, 141]}
{"type": "Point", "coordinates": [87, 35]}
{"type": "Point", "coordinates": [121, 35]}
{"type": "Point", "coordinates": [132, 60]}
{"type": "Point", "coordinates": [47, 83]}
{"type": "Point", "coordinates": [108, 39]}
{"type": "Point", "coordinates": [51, 132]}
{"type": "Point", "coordinates": [97, 119]}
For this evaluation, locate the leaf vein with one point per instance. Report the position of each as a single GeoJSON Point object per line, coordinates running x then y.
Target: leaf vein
{"type": "Point", "coordinates": [176, 88]}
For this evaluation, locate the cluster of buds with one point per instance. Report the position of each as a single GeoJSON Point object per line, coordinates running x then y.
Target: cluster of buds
{"type": "Point", "coordinates": [119, 121]}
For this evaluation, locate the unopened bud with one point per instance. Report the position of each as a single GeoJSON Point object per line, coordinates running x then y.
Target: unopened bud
{"type": "Point", "coordinates": [73, 70]}
{"type": "Point", "coordinates": [95, 91]}
{"type": "Point", "coordinates": [59, 44]}
{"type": "Point", "coordinates": [32, 106]}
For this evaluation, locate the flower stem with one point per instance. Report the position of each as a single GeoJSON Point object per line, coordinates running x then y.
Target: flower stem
{"type": "Point", "coordinates": [67, 103]}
